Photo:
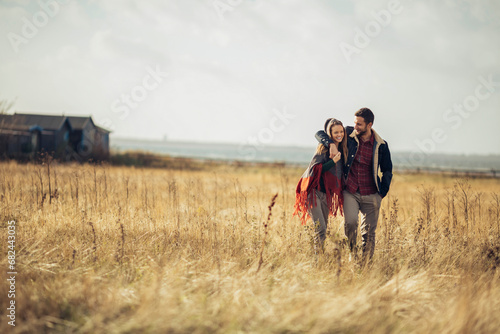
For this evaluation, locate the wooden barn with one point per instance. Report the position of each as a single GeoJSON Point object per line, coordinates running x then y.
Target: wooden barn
{"type": "Point", "coordinates": [87, 139]}
{"type": "Point", "coordinates": [67, 138]}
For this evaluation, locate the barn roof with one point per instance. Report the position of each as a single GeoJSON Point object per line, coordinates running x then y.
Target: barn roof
{"type": "Point", "coordinates": [80, 122]}
{"type": "Point", "coordinates": [46, 122]}
{"type": "Point", "coordinates": [102, 129]}
{"type": "Point", "coordinates": [25, 122]}
{"type": "Point", "coordinates": [11, 122]}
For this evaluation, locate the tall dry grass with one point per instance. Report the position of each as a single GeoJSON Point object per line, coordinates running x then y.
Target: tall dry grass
{"type": "Point", "coordinates": [124, 250]}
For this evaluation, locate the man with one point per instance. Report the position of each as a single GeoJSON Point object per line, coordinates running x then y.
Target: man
{"type": "Point", "coordinates": [368, 154]}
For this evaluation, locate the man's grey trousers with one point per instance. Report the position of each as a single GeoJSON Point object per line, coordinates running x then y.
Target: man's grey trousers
{"type": "Point", "coordinates": [369, 206]}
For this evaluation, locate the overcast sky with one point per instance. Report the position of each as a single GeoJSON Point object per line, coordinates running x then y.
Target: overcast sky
{"type": "Point", "coordinates": [262, 72]}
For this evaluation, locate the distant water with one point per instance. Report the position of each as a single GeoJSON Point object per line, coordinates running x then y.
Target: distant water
{"type": "Point", "coordinates": [293, 155]}
{"type": "Point", "coordinates": [299, 155]}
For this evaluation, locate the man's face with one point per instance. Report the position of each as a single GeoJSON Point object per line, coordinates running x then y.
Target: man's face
{"type": "Point", "coordinates": [360, 125]}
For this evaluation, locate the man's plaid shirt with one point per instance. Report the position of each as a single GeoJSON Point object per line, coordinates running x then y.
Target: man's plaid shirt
{"type": "Point", "coordinates": [360, 175]}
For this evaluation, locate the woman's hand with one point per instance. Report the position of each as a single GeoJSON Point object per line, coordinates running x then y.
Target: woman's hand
{"type": "Point", "coordinates": [333, 151]}
{"type": "Point", "coordinates": [337, 157]}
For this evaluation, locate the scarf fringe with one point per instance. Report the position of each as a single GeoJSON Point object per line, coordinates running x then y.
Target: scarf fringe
{"type": "Point", "coordinates": [304, 194]}
{"type": "Point", "coordinates": [334, 197]}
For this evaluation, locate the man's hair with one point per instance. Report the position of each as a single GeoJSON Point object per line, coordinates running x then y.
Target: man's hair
{"type": "Point", "coordinates": [366, 113]}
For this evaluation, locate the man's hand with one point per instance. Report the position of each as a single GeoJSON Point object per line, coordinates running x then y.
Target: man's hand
{"type": "Point", "coordinates": [337, 157]}
{"type": "Point", "coordinates": [333, 151]}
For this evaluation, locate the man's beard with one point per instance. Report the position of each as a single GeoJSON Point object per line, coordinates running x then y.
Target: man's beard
{"type": "Point", "coordinates": [360, 133]}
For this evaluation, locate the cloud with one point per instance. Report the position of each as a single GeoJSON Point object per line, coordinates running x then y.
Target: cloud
{"type": "Point", "coordinates": [227, 76]}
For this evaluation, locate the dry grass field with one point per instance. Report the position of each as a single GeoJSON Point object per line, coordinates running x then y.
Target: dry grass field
{"type": "Point", "coordinates": [103, 249]}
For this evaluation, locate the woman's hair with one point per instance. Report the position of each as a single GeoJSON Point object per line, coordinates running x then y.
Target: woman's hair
{"type": "Point", "coordinates": [329, 124]}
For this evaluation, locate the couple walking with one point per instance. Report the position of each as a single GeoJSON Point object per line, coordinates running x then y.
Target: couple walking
{"type": "Point", "coordinates": [343, 176]}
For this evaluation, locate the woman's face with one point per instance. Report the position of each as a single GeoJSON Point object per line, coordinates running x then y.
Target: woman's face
{"type": "Point", "coordinates": [337, 133]}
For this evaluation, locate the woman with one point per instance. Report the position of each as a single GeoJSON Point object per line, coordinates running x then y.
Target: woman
{"type": "Point", "coordinates": [319, 192]}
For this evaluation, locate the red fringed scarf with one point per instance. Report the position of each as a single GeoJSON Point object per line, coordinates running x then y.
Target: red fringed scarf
{"type": "Point", "coordinates": [304, 199]}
